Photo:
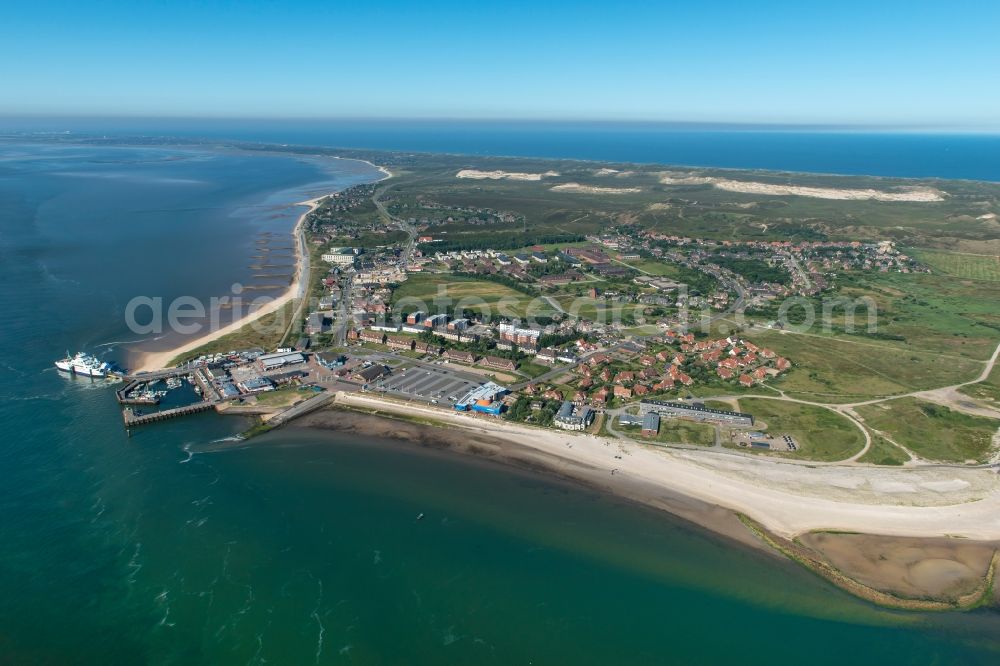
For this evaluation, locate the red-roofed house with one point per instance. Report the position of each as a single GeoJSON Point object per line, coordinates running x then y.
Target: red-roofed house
{"type": "Point", "coordinates": [624, 377]}
{"type": "Point", "coordinates": [665, 385]}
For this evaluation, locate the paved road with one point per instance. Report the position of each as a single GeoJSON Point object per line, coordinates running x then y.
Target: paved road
{"type": "Point", "coordinates": [304, 407]}
{"type": "Point", "coordinates": [411, 232]}
{"type": "Point", "coordinates": [343, 314]}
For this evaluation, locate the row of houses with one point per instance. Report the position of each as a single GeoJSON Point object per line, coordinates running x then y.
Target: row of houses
{"type": "Point", "coordinates": [696, 411]}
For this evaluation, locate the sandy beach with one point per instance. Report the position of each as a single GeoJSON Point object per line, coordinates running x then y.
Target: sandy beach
{"type": "Point", "coordinates": [788, 498]}
{"type": "Point", "coordinates": [146, 362]}
{"type": "Point", "coordinates": [149, 361]}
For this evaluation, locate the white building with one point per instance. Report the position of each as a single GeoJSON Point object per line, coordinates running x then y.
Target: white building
{"type": "Point", "coordinates": [340, 256]}
{"type": "Point", "coordinates": [573, 417]}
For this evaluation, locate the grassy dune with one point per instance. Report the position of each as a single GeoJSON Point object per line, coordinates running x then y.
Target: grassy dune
{"type": "Point", "coordinates": [821, 433]}
{"type": "Point", "coordinates": [848, 369]}
{"type": "Point", "coordinates": [933, 431]}
{"type": "Point", "coordinates": [987, 391]}
{"type": "Point", "coordinates": [685, 432]}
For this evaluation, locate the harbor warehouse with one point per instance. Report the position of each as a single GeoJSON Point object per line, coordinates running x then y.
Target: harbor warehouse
{"type": "Point", "coordinates": [695, 411]}
{"type": "Point", "coordinates": [280, 360]}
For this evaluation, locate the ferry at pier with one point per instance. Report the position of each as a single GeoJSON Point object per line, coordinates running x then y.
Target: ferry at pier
{"type": "Point", "coordinates": [85, 365]}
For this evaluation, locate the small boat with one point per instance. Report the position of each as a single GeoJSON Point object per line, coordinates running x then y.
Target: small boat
{"type": "Point", "coordinates": [83, 364]}
{"type": "Point", "coordinates": [420, 517]}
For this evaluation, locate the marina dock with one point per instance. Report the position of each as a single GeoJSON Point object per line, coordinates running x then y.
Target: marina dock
{"type": "Point", "coordinates": [126, 395]}
{"type": "Point", "coordinates": [132, 419]}
{"type": "Point", "coordinates": [129, 395]}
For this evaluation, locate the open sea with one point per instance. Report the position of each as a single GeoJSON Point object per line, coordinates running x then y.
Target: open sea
{"type": "Point", "coordinates": [875, 152]}
{"type": "Point", "coordinates": [183, 545]}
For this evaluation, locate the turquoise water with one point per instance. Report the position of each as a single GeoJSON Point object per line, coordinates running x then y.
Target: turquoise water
{"type": "Point", "coordinates": [182, 546]}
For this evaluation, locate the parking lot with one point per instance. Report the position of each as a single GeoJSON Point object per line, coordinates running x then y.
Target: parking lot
{"type": "Point", "coordinates": [435, 385]}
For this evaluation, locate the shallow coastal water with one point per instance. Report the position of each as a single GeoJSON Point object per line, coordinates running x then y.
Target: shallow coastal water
{"type": "Point", "coordinates": [183, 545]}
{"type": "Point", "coordinates": [101, 225]}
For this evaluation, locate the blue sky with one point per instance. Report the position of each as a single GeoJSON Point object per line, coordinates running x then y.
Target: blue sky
{"type": "Point", "coordinates": [887, 63]}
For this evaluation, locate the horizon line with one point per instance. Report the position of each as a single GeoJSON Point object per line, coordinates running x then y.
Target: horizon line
{"type": "Point", "coordinates": [733, 125]}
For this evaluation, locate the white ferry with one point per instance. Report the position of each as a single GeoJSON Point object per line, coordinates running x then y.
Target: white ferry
{"type": "Point", "coordinates": [84, 364]}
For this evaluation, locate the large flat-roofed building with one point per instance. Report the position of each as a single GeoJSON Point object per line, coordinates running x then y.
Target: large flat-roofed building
{"type": "Point", "coordinates": [434, 321]}
{"type": "Point", "coordinates": [280, 359]}
{"type": "Point", "coordinates": [341, 256]}
{"type": "Point", "coordinates": [573, 417]}
{"type": "Point", "coordinates": [486, 394]}
{"type": "Point", "coordinates": [695, 411]}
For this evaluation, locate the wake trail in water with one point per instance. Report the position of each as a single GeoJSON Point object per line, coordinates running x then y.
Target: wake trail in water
{"type": "Point", "coordinates": [319, 622]}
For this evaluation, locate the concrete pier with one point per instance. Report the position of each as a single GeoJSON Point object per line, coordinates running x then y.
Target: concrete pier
{"type": "Point", "coordinates": [131, 419]}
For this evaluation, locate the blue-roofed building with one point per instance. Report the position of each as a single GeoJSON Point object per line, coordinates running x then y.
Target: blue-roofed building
{"type": "Point", "coordinates": [489, 391]}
